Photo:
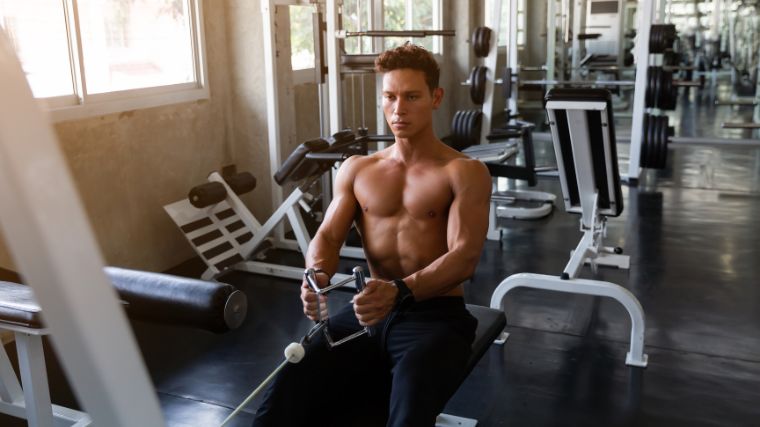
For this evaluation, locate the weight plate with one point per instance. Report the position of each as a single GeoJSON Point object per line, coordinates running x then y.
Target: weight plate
{"type": "Point", "coordinates": [644, 142]}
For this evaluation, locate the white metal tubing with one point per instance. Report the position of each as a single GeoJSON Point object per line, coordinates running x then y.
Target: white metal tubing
{"type": "Point", "coordinates": [280, 214]}
{"type": "Point", "coordinates": [641, 55]}
{"type": "Point", "coordinates": [10, 389]}
{"type": "Point", "coordinates": [31, 361]}
{"type": "Point", "coordinates": [711, 142]}
{"type": "Point", "coordinates": [635, 356]}
{"type": "Point", "coordinates": [272, 94]}
{"type": "Point", "coordinates": [490, 63]}
{"type": "Point", "coordinates": [333, 65]}
{"type": "Point", "coordinates": [584, 166]}
{"type": "Point", "coordinates": [551, 37]}
{"type": "Point", "coordinates": [512, 57]}
{"type": "Point", "coordinates": [579, 255]}
{"type": "Point", "coordinates": [52, 244]}
{"type": "Point", "coordinates": [579, 13]}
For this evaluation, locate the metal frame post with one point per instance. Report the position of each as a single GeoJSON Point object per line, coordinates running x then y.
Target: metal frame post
{"type": "Point", "coordinates": [512, 56]}
{"type": "Point", "coordinates": [51, 241]}
{"type": "Point", "coordinates": [579, 14]}
{"type": "Point", "coordinates": [491, 62]}
{"type": "Point", "coordinates": [272, 96]}
{"type": "Point", "coordinates": [551, 37]}
{"type": "Point", "coordinates": [645, 12]}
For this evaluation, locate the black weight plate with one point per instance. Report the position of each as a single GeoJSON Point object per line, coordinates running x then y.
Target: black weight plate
{"type": "Point", "coordinates": [663, 142]}
{"type": "Point", "coordinates": [485, 41]}
{"type": "Point", "coordinates": [474, 39]}
{"type": "Point", "coordinates": [657, 89]}
{"type": "Point", "coordinates": [652, 144]}
{"type": "Point", "coordinates": [657, 149]}
{"type": "Point", "coordinates": [478, 84]}
{"type": "Point", "coordinates": [649, 97]}
{"type": "Point", "coordinates": [461, 130]}
{"type": "Point", "coordinates": [455, 129]}
{"type": "Point", "coordinates": [654, 39]}
{"type": "Point", "coordinates": [477, 123]}
{"type": "Point", "coordinates": [507, 83]}
{"type": "Point", "coordinates": [468, 129]}
{"type": "Point", "coordinates": [644, 142]}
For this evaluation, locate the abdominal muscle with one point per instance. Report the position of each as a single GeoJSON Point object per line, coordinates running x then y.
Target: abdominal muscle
{"type": "Point", "coordinates": [399, 245]}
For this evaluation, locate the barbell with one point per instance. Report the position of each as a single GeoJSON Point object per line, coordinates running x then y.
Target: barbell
{"type": "Point", "coordinates": [661, 89]}
{"type": "Point", "coordinates": [657, 134]}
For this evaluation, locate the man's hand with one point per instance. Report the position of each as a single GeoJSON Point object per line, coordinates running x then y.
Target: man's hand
{"type": "Point", "coordinates": [309, 297]}
{"type": "Point", "coordinates": [375, 301]}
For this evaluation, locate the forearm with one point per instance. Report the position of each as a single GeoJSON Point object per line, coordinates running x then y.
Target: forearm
{"type": "Point", "coordinates": [323, 253]}
{"type": "Point", "coordinates": [443, 275]}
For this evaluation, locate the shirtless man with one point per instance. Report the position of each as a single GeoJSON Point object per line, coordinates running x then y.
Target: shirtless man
{"type": "Point", "coordinates": [421, 209]}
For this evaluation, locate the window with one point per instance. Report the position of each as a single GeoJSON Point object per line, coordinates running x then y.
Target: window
{"type": "Point", "coordinates": [504, 21]}
{"type": "Point", "coordinates": [91, 57]}
{"type": "Point", "coordinates": [411, 15]}
{"type": "Point", "coordinates": [301, 37]}
{"type": "Point", "coordinates": [398, 15]}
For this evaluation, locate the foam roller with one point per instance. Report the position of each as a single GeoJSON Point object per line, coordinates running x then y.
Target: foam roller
{"type": "Point", "coordinates": [167, 299]}
{"type": "Point", "coordinates": [207, 194]}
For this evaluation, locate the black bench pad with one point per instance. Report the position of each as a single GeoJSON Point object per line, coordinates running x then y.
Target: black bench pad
{"type": "Point", "coordinates": [491, 323]}
{"type": "Point", "coordinates": [18, 306]}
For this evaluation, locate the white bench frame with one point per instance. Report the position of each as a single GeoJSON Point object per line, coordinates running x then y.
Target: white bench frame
{"type": "Point", "coordinates": [32, 402]}
{"type": "Point", "coordinates": [182, 213]}
{"type": "Point", "coordinates": [590, 248]}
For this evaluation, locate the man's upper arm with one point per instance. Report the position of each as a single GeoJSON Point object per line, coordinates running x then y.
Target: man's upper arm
{"type": "Point", "coordinates": [342, 210]}
{"type": "Point", "coordinates": [468, 215]}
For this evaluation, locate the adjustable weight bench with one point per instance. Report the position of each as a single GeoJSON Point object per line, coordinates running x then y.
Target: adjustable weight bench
{"type": "Point", "coordinates": [583, 133]}
{"type": "Point", "coordinates": [216, 307]}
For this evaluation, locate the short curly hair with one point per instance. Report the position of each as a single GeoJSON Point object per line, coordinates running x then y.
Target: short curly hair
{"type": "Point", "coordinates": [411, 56]}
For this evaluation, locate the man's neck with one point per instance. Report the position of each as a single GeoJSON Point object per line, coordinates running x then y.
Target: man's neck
{"type": "Point", "coordinates": [409, 150]}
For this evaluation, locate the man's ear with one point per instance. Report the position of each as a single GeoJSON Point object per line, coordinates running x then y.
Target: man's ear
{"type": "Point", "coordinates": [437, 97]}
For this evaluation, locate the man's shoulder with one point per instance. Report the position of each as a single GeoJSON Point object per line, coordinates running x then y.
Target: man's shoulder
{"type": "Point", "coordinates": [465, 172]}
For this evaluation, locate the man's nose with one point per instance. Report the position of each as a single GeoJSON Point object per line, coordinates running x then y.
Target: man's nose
{"type": "Point", "coordinates": [400, 107]}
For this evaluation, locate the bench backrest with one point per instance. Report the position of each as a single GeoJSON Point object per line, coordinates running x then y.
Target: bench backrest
{"type": "Point", "coordinates": [583, 132]}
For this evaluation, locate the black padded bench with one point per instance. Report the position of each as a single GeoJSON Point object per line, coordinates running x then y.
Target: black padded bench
{"type": "Point", "coordinates": [316, 156]}
{"type": "Point", "coordinates": [491, 323]}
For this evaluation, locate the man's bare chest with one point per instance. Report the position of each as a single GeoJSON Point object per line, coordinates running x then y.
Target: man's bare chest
{"type": "Point", "coordinates": [423, 195]}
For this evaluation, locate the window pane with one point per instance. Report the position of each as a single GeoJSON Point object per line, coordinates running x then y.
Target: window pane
{"type": "Point", "coordinates": [37, 30]}
{"type": "Point", "coordinates": [423, 15]}
{"type": "Point", "coordinates": [301, 37]}
{"type": "Point", "coordinates": [130, 44]}
{"type": "Point", "coordinates": [356, 14]}
{"type": "Point", "coordinates": [394, 14]}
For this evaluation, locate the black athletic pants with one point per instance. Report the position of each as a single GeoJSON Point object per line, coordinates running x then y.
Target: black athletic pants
{"type": "Point", "coordinates": [405, 373]}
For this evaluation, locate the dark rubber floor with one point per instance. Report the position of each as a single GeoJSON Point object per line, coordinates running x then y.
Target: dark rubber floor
{"type": "Point", "coordinates": [693, 234]}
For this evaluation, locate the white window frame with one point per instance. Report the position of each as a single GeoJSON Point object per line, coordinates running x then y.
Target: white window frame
{"type": "Point", "coordinates": [82, 105]}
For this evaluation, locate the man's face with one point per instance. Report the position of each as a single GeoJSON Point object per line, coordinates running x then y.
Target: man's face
{"type": "Point", "coordinates": [407, 102]}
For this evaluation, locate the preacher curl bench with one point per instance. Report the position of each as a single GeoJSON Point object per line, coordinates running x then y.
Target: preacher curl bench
{"type": "Point", "coordinates": [153, 297]}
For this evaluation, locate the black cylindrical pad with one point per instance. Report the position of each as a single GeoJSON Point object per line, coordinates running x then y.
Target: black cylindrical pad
{"type": "Point", "coordinates": [162, 298]}
{"type": "Point", "coordinates": [207, 194]}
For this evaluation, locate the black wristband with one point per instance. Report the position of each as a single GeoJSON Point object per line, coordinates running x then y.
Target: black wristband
{"type": "Point", "coordinates": [404, 297]}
